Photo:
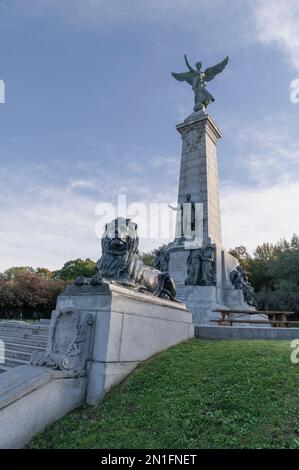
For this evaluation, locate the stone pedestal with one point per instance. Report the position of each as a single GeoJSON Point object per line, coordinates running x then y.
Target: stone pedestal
{"type": "Point", "coordinates": [199, 178]}
{"type": "Point", "coordinates": [199, 171]}
{"type": "Point", "coordinates": [129, 327]}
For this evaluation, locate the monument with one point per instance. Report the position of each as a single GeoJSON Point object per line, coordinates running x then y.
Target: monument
{"type": "Point", "coordinates": [206, 275]}
{"type": "Point", "coordinates": [104, 326]}
{"type": "Point", "coordinates": [101, 329]}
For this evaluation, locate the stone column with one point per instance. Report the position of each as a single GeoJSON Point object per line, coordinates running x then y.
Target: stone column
{"type": "Point", "coordinates": [199, 171]}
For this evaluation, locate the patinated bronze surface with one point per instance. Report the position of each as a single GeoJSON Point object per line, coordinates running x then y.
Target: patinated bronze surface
{"type": "Point", "coordinates": [197, 79]}
{"type": "Point", "coordinates": [240, 280]}
{"type": "Point", "coordinates": [202, 266]}
{"type": "Point", "coordinates": [120, 263]}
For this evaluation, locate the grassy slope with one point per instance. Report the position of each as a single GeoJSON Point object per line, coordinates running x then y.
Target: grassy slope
{"type": "Point", "coordinates": [199, 394]}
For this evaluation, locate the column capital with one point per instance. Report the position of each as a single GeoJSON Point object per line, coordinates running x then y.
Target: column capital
{"type": "Point", "coordinates": [196, 120]}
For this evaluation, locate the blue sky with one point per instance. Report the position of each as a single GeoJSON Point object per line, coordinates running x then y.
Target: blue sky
{"type": "Point", "coordinates": [91, 109]}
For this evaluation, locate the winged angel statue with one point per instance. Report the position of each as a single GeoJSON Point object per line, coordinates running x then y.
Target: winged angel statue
{"type": "Point", "coordinates": [196, 78]}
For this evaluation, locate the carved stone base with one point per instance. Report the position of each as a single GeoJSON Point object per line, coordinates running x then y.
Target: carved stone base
{"type": "Point", "coordinates": [129, 327]}
{"type": "Point", "coordinates": [203, 300]}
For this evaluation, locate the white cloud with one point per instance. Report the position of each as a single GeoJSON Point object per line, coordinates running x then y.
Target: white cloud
{"type": "Point", "coordinates": [277, 23]}
{"type": "Point", "coordinates": [85, 184]}
{"type": "Point", "coordinates": [269, 151]}
{"type": "Point", "coordinates": [45, 222]}
{"type": "Point", "coordinates": [253, 216]}
{"type": "Point", "coordinates": [266, 208]}
{"type": "Point", "coordinates": [45, 225]}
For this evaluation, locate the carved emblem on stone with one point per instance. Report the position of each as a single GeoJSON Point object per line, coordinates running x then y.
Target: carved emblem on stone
{"type": "Point", "coordinates": [68, 343]}
{"type": "Point", "coordinates": [191, 141]}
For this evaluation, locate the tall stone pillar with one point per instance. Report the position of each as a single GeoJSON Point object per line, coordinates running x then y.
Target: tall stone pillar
{"type": "Point", "coordinates": [202, 279]}
{"type": "Point", "coordinates": [199, 171]}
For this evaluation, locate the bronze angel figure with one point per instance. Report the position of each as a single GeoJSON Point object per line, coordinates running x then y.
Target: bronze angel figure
{"type": "Point", "coordinates": [196, 78]}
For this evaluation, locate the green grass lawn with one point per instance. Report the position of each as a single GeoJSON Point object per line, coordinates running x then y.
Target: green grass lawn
{"type": "Point", "coordinates": [199, 394]}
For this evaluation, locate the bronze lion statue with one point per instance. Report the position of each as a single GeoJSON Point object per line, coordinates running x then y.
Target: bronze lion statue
{"type": "Point", "coordinates": [120, 263]}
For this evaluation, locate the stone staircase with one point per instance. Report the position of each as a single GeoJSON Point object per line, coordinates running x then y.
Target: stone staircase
{"type": "Point", "coordinates": [20, 340]}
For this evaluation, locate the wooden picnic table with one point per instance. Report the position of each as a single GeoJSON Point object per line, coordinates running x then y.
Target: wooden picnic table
{"type": "Point", "coordinates": [276, 318]}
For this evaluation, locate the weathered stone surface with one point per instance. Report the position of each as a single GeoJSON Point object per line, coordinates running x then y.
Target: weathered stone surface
{"type": "Point", "coordinates": [198, 172]}
{"type": "Point", "coordinates": [199, 178]}
{"type": "Point", "coordinates": [202, 301]}
{"type": "Point", "coordinates": [69, 341]}
{"type": "Point", "coordinates": [245, 332]}
{"type": "Point", "coordinates": [31, 398]}
{"type": "Point", "coordinates": [129, 328]}
{"type": "Point", "coordinates": [98, 335]}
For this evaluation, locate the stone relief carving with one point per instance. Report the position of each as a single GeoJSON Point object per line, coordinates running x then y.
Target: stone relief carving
{"type": "Point", "coordinates": [191, 141]}
{"type": "Point", "coordinates": [120, 263]}
{"type": "Point", "coordinates": [202, 266]}
{"type": "Point", "coordinates": [240, 280]}
{"type": "Point", "coordinates": [68, 342]}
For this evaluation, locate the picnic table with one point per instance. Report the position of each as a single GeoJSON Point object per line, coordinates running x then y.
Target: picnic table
{"type": "Point", "coordinates": [276, 318]}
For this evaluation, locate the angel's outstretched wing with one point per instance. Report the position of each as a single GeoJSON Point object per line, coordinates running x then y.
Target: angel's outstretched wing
{"type": "Point", "coordinates": [211, 72]}
{"type": "Point", "coordinates": [184, 77]}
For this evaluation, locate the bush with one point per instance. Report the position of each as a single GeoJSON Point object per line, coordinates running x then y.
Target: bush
{"type": "Point", "coordinates": [28, 293]}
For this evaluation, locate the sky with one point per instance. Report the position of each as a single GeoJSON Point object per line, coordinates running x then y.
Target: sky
{"type": "Point", "coordinates": [90, 113]}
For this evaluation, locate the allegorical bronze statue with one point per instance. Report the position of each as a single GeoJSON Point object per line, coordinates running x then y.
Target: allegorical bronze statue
{"type": "Point", "coordinates": [186, 227]}
{"type": "Point", "coordinates": [202, 266]}
{"type": "Point", "coordinates": [240, 280]}
{"type": "Point", "coordinates": [197, 79]}
{"type": "Point", "coordinates": [120, 263]}
{"type": "Point", "coordinates": [162, 259]}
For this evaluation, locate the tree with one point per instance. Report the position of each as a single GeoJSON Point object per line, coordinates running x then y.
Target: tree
{"type": "Point", "coordinates": [11, 272]}
{"type": "Point", "coordinates": [74, 268]}
{"type": "Point", "coordinates": [27, 293]}
{"type": "Point", "coordinates": [44, 272]}
{"type": "Point", "coordinates": [149, 257]}
{"type": "Point", "coordinates": [242, 255]}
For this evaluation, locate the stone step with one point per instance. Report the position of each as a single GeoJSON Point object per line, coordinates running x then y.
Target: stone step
{"type": "Point", "coordinates": [12, 354]}
{"type": "Point", "coordinates": [24, 333]}
{"type": "Point", "coordinates": [22, 347]}
{"type": "Point", "coordinates": [29, 326]}
{"type": "Point", "coordinates": [24, 325]}
{"type": "Point", "coordinates": [20, 341]}
{"type": "Point", "coordinates": [10, 362]}
{"type": "Point", "coordinates": [35, 342]}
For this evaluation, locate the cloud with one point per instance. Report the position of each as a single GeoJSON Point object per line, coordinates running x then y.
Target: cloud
{"type": "Point", "coordinates": [85, 184]}
{"type": "Point", "coordinates": [253, 216]}
{"type": "Point", "coordinates": [263, 206]}
{"type": "Point", "coordinates": [43, 224]}
{"type": "Point", "coordinates": [48, 213]}
{"type": "Point", "coordinates": [270, 152]}
{"type": "Point", "coordinates": [277, 23]}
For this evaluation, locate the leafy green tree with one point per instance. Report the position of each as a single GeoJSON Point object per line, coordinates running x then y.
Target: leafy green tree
{"type": "Point", "coordinates": [242, 255]}
{"type": "Point", "coordinates": [149, 257]}
{"type": "Point", "coordinates": [74, 268]}
{"type": "Point", "coordinates": [284, 268]}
